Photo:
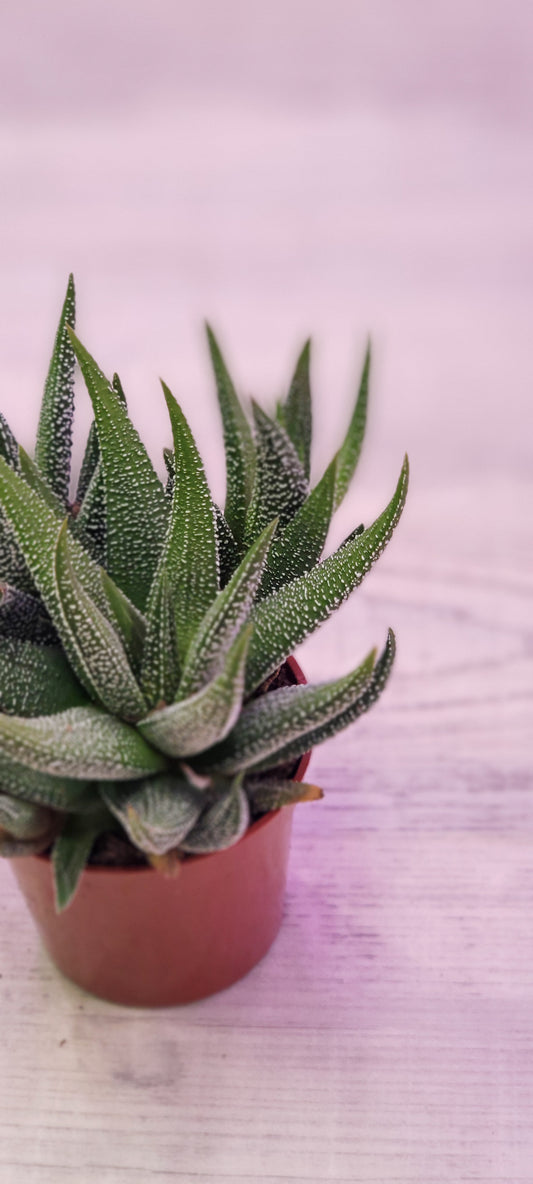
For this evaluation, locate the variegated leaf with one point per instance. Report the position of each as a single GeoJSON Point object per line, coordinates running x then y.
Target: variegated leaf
{"type": "Point", "coordinates": [84, 743]}
{"type": "Point", "coordinates": [93, 645]}
{"type": "Point", "coordinates": [238, 443]}
{"type": "Point", "coordinates": [160, 666]}
{"type": "Point", "coordinates": [135, 500]}
{"type": "Point", "coordinates": [225, 618]}
{"type": "Point", "coordinates": [24, 617]}
{"type": "Point", "coordinates": [36, 679]}
{"type": "Point", "coordinates": [299, 546]}
{"type": "Point", "coordinates": [156, 814]}
{"type": "Point", "coordinates": [54, 433]}
{"type": "Point", "coordinates": [272, 721]}
{"type": "Point", "coordinates": [189, 558]}
{"type": "Point", "coordinates": [286, 618]}
{"type": "Point", "coordinates": [24, 820]}
{"type": "Point", "coordinates": [281, 485]}
{"type": "Point", "coordinates": [71, 852]}
{"type": "Point", "coordinates": [295, 415]}
{"type": "Point", "coordinates": [63, 794]}
{"type": "Point", "coordinates": [186, 728]}
{"type": "Point", "coordinates": [350, 449]}
{"type": "Point", "coordinates": [324, 732]}
{"type": "Point", "coordinates": [271, 793]}
{"type": "Point", "coordinates": [222, 824]}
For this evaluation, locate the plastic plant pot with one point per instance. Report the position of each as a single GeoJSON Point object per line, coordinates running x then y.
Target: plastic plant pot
{"type": "Point", "coordinates": [135, 937]}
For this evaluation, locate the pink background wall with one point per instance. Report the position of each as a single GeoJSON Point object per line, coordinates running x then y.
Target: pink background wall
{"type": "Point", "coordinates": [285, 168]}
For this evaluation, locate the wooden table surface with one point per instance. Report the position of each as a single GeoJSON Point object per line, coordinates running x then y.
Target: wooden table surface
{"type": "Point", "coordinates": [388, 1035]}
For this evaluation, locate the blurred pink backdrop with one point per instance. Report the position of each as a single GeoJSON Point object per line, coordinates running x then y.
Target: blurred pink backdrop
{"type": "Point", "coordinates": [329, 168]}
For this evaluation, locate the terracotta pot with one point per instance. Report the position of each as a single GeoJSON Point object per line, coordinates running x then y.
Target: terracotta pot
{"type": "Point", "coordinates": [134, 937]}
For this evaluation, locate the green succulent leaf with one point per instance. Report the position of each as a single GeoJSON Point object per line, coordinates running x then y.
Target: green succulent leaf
{"type": "Point", "coordinates": [36, 679]}
{"type": "Point", "coordinates": [71, 852]}
{"type": "Point", "coordinates": [228, 551]}
{"type": "Point", "coordinates": [11, 848]}
{"type": "Point", "coordinates": [222, 824]}
{"type": "Point", "coordinates": [287, 617]}
{"type": "Point", "coordinates": [128, 620]}
{"type": "Point", "coordinates": [295, 415]}
{"type": "Point", "coordinates": [238, 443]}
{"type": "Point", "coordinates": [135, 500]}
{"type": "Point", "coordinates": [35, 528]}
{"type": "Point", "coordinates": [90, 524]}
{"type": "Point", "coordinates": [54, 433]}
{"type": "Point", "coordinates": [91, 456]}
{"type": "Point", "coordinates": [299, 546]}
{"type": "Point", "coordinates": [90, 460]}
{"type": "Point", "coordinates": [186, 728]}
{"type": "Point", "coordinates": [272, 793]}
{"type": "Point", "coordinates": [323, 732]}
{"type": "Point", "coordinates": [168, 457]}
{"type": "Point", "coordinates": [59, 793]}
{"type": "Point", "coordinates": [159, 670]}
{"type": "Point", "coordinates": [224, 618]}
{"type": "Point", "coordinates": [84, 743]}
{"type": "Point", "coordinates": [37, 482]}
{"type": "Point", "coordinates": [24, 820]}
{"type": "Point", "coordinates": [189, 558]}
{"type": "Point", "coordinates": [350, 449]}
{"type": "Point", "coordinates": [9, 448]}
{"type": "Point", "coordinates": [24, 617]}
{"type": "Point", "coordinates": [94, 647]}
{"type": "Point", "coordinates": [281, 485]}
{"type": "Point", "coordinates": [156, 814]}
{"type": "Point", "coordinates": [272, 721]}
{"type": "Point", "coordinates": [13, 568]}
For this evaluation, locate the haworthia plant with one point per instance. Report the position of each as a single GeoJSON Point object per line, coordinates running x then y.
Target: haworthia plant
{"type": "Point", "coordinates": [144, 630]}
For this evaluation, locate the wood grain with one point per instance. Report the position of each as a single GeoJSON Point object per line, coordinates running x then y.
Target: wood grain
{"type": "Point", "coordinates": [388, 1036]}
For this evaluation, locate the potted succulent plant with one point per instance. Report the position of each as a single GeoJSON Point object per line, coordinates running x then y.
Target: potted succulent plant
{"type": "Point", "coordinates": [153, 724]}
